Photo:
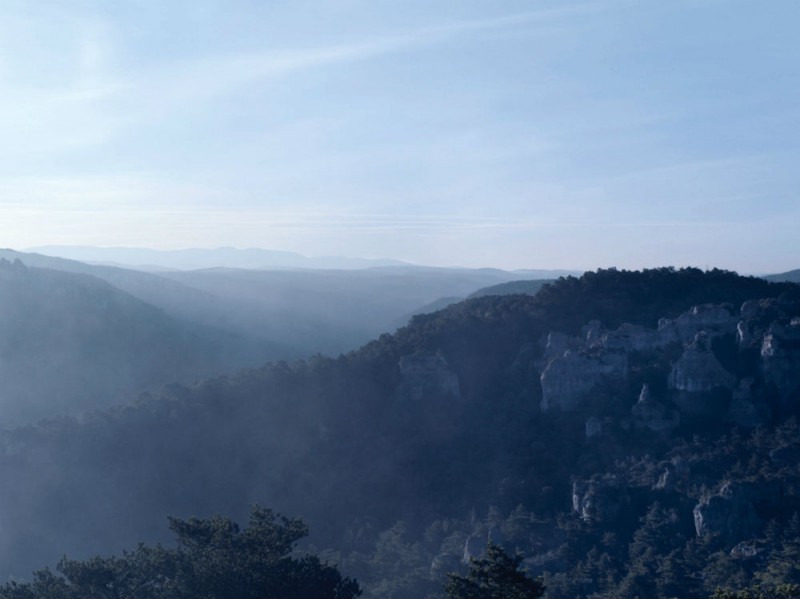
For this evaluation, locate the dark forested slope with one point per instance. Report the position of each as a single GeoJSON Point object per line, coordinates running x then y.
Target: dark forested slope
{"type": "Point", "coordinates": [792, 276]}
{"type": "Point", "coordinates": [627, 431]}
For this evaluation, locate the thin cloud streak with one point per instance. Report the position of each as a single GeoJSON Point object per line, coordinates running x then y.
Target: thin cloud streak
{"type": "Point", "coordinates": [199, 79]}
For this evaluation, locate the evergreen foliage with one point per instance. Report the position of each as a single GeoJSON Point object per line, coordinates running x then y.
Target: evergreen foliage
{"type": "Point", "coordinates": [395, 488]}
{"type": "Point", "coordinates": [213, 559]}
{"type": "Point", "coordinates": [497, 576]}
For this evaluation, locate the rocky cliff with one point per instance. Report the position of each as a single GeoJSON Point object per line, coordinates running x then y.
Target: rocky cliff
{"type": "Point", "coordinates": [698, 381]}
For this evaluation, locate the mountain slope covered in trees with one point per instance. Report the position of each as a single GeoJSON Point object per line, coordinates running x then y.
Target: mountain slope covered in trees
{"type": "Point", "coordinates": [631, 433]}
{"type": "Point", "coordinates": [292, 313]}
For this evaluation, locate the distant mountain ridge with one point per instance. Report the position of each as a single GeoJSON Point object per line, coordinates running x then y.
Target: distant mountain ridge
{"type": "Point", "coordinates": [792, 276]}
{"type": "Point", "coordinates": [247, 258]}
{"type": "Point", "coordinates": [303, 311]}
{"type": "Point", "coordinates": [198, 258]}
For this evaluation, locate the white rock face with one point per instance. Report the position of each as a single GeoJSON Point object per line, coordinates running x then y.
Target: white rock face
{"type": "Point", "coordinates": [698, 370]}
{"type": "Point", "coordinates": [713, 319]}
{"type": "Point", "coordinates": [572, 366]}
{"type": "Point", "coordinates": [567, 379]}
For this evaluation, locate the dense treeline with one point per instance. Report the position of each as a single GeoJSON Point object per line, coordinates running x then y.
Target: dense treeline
{"type": "Point", "coordinates": [213, 559]}
{"type": "Point", "coordinates": [399, 487]}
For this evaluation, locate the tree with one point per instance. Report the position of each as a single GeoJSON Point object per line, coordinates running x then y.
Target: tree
{"type": "Point", "coordinates": [213, 559]}
{"type": "Point", "coordinates": [781, 591]}
{"type": "Point", "coordinates": [497, 576]}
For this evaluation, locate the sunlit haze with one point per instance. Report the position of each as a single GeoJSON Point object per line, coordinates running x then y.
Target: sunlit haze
{"type": "Point", "coordinates": [514, 134]}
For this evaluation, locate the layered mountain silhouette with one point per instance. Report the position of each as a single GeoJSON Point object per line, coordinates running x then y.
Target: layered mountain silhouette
{"type": "Point", "coordinates": [71, 342]}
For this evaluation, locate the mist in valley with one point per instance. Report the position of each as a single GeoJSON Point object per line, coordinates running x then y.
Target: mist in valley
{"type": "Point", "coordinates": [399, 300]}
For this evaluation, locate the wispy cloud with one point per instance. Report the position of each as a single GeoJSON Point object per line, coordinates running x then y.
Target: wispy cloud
{"type": "Point", "coordinates": [92, 99]}
{"type": "Point", "coordinates": [169, 87]}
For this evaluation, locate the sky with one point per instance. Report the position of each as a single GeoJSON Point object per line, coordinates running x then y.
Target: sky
{"type": "Point", "coordinates": [512, 134]}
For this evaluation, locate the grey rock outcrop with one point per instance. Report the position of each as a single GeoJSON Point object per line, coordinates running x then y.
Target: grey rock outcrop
{"type": "Point", "coordinates": [597, 427]}
{"type": "Point", "coordinates": [571, 367]}
{"type": "Point", "coordinates": [780, 357]}
{"type": "Point", "coordinates": [698, 370]}
{"type": "Point", "coordinates": [600, 500]}
{"type": "Point", "coordinates": [731, 511]}
{"type": "Point", "coordinates": [426, 374]}
{"type": "Point", "coordinates": [558, 343]}
{"type": "Point", "coordinates": [568, 378]}
{"type": "Point", "coordinates": [650, 413]}
{"type": "Point", "coordinates": [696, 374]}
{"type": "Point", "coordinates": [474, 547]}
{"type": "Point", "coordinates": [746, 550]}
{"type": "Point", "coordinates": [631, 337]}
{"type": "Point", "coordinates": [713, 319]}
{"type": "Point", "coordinates": [676, 472]}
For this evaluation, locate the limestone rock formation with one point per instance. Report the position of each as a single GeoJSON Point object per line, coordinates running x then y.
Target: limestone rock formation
{"type": "Point", "coordinates": [596, 427]}
{"type": "Point", "coordinates": [780, 357]}
{"type": "Point", "coordinates": [676, 472]}
{"type": "Point", "coordinates": [650, 413]}
{"type": "Point", "coordinates": [474, 547]}
{"type": "Point", "coordinates": [558, 343]}
{"type": "Point", "coordinates": [698, 370]}
{"type": "Point", "coordinates": [426, 374]}
{"type": "Point", "coordinates": [599, 500]}
{"type": "Point", "coordinates": [567, 379]}
{"type": "Point", "coordinates": [746, 550]}
{"type": "Point", "coordinates": [570, 367]}
{"type": "Point", "coordinates": [713, 319]}
{"type": "Point", "coordinates": [732, 511]}
{"type": "Point", "coordinates": [696, 374]}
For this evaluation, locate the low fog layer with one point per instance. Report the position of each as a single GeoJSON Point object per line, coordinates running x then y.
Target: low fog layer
{"type": "Point", "coordinates": [71, 342]}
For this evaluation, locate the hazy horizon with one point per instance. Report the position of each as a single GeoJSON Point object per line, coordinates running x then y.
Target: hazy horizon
{"type": "Point", "coordinates": [91, 253]}
{"type": "Point", "coordinates": [512, 135]}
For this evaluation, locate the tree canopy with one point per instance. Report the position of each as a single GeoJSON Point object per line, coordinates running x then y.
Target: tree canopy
{"type": "Point", "coordinates": [497, 576]}
{"type": "Point", "coordinates": [213, 559]}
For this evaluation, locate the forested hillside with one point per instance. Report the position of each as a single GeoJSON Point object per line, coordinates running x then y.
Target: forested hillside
{"type": "Point", "coordinates": [630, 433]}
{"type": "Point", "coordinates": [292, 313]}
{"type": "Point", "coordinates": [70, 342]}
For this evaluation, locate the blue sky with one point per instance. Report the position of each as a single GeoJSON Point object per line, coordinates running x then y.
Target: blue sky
{"type": "Point", "coordinates": [451, 132]}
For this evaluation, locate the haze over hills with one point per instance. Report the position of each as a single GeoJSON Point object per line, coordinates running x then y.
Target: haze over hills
{"type": "Point", "coordinates": [623, 423]}
{"type": "Point", "coordinates": [197, 258]}
{"type": "Point", "coordinates": [791, 276]}
{"type": "Point", "coordinates": [78, 336]}
{"type": "Point", "coordinates": [71, 342]}
{"type": "Point", "coordinates": [452, 283]}
{"type": "Point", "coordinates": [249, 258]}
{"type": "Point", "coordinates": [303, 311]}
